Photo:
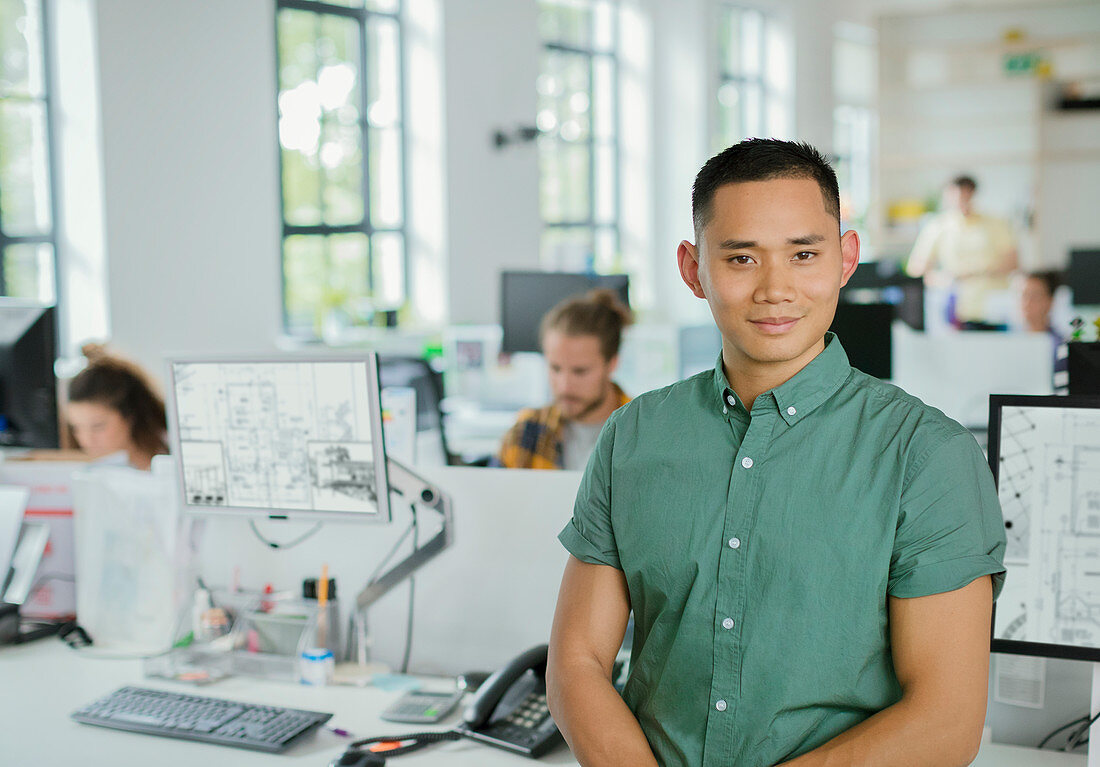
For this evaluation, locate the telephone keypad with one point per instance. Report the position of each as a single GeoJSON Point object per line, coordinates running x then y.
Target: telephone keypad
{"type": "Point", "coordinates": [531, 713]}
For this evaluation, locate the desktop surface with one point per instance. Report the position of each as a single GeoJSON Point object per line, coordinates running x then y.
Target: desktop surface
{"type": "Point", "coordinates": [37, 729]}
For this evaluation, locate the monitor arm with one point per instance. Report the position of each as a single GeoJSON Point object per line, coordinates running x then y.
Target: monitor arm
{"type": "Point", "coordinates": [418, 492]}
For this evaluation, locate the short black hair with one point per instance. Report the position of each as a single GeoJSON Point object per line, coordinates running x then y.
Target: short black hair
{"type": "Point", "coordinates": [762, 159]}
{"type": "Point", "coordinates": [965, 182]}
{"type": "Point", "coordinates": [1051, 280]}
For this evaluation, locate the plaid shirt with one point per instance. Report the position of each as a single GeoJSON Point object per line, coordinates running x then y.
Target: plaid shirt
{"type": "Point", "coordinates": [535, 441]}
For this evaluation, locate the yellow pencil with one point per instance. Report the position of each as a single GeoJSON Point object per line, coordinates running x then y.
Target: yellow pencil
{"type": "Point", "coordinates": [322, 601]}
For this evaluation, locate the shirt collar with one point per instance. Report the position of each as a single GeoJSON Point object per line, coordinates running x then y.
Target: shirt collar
{"type": "Point", "coordinates": [803, 392]}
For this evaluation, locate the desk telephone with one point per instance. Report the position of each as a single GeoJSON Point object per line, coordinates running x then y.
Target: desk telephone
{"type": "Point", "coordinates": [509, 711]}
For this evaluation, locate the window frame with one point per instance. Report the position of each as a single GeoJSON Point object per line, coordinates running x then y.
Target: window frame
{"type": "Point", "coordinates": [592, 53]}
{"type": "Point", "coordinates": [362, 15]}
{"type": "Point", "coordinates": [47, 100]}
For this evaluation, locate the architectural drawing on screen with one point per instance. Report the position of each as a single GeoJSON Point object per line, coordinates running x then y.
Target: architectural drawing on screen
{"type": "Point", "coordinates": [287, 435]}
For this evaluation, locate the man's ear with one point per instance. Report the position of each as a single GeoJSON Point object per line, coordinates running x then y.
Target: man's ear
{"type": "Point", "coordinates": [849, 255]}
{"type": "Point", "coordinates": [687, 256]}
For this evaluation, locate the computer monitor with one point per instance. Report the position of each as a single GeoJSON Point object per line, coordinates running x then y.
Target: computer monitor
{"type": "Point", "coordinates": [525, 297]}
{"type": "Point", "coordinates": [886, 282]}
{"type": "Point", "coordinates": [1083, 276]}
{"type": "Point", "coordinates": [28, 387]}
{"type": "Point", "coordinates": [291, 438]}
{"type": "Point", "coordinates": [1083, 367]}
{"type": "Point", "coordinates": [865, 332]}
{"type": "Point", "coordinates": [1045, 456]}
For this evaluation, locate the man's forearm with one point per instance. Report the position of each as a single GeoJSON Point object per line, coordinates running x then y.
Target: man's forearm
{"type": "Point", "coordinates": [599, 727]}
{"type": "Point", "coordinates": [903, 735]}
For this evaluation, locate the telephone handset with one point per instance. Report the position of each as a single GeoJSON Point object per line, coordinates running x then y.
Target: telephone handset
{"type": "Point", "coordinates": [510, 711]}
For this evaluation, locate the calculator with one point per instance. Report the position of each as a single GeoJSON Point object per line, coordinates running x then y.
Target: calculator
{"type": "Point", "coordinates": [422, 707]}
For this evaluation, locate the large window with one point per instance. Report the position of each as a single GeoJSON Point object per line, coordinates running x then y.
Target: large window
{"type": "Point", "coordinates": [28, 261]}
{"type": "Point", "coordinates": [855, 55]}
{"type": "Point", "coordinates": [341, 117]}
{"type": "Point", "coordinates": [578, 142]}
{"type": "Point", "coordinates": [754, 77]}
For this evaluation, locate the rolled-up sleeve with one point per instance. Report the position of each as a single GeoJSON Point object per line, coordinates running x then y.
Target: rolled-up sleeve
{"type": "Point", "coordinates": [589, 535]}
{"type": "Point", "coordinates": [950, 527]}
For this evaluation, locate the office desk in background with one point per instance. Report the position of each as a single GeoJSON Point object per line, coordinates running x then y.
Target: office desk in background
{"type": "Point", "coordinates": [44, 682]}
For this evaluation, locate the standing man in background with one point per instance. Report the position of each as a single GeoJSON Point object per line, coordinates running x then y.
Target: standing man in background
{"type": "Point", "coordinates": [580, 340]}
{"type": "Point", "coordinates": [968, 252]}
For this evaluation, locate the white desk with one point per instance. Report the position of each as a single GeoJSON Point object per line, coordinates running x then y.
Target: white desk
{"type": "Point", "coordinates": [42, 683]}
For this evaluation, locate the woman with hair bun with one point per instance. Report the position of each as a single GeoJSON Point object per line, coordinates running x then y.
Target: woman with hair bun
{"type": "Point", "coordinates": [113, 407]}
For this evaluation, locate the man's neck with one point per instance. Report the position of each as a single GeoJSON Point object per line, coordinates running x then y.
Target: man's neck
{"type": "Point", "coordinates": [750, 378]}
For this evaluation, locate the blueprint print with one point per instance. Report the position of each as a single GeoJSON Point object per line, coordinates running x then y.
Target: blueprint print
{"type": "Point", "coordinates": [1049, 488]}
{"type": "Point", "coordinates": [276, 435]}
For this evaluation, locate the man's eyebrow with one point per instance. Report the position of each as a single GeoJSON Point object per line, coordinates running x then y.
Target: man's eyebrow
{"type": "Point", "coordinates": [737, 245]}
{"type": "Point", "coordinates": [807, 239]}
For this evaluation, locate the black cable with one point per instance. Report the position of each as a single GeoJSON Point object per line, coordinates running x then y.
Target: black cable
{"type": "Point", "coordinates": [418, 741]}
{"type": "Point", "coordinates": [1077, 721]}
{"type": "Point", "coordinates": [288, 544]}
{"type": "Point", "coordinates": [412, 600]}
{"type": "Point", "coordinates": [1075, 739]}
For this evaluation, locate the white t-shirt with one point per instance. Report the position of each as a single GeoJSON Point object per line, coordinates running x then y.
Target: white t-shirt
{"type": "Point", "coordinates": [578, 439]}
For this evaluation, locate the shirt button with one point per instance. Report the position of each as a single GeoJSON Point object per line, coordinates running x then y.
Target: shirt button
{"type": "Point", "coordinates": [724, 411]}
{"type": "Point", "coordinates": [791, 410]}
{"type": "Point", "coordinates": [727, 623]}
{"type": "Point", "coordinates": [730, 399]}
{"type": "Point", "coordinates": [735, 543]}
{"type": "Point", "coordinates": [720, 705]}
{"type": "Point", "coordinates": [746, 462]}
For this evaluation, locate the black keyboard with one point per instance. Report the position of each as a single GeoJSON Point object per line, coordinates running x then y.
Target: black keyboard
{"type": "Point", "coordinates": [194, 717]}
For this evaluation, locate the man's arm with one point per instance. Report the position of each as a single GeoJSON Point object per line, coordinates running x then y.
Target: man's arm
{"type": "Point", "coordinates": [940, 647]}
{"type": "Point", "coordinates": [592, 612]}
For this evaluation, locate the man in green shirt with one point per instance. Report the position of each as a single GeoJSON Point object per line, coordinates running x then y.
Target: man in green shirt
{"type": "Point", "coordinates": [810, 554]}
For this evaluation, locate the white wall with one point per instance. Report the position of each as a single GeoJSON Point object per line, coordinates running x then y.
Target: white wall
{"type": "Point", "coordinates": [190, 175]}
{"type": "Point", "coordinates": [492, 62]}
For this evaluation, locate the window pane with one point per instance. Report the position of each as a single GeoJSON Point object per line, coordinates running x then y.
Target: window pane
{"type": "Point", "coordinates": [338, 64]}
{"type": "Point", "coordinates": [752, 36]}
{"type": "Point", "coordinates": [389, 270]}
{"type": "Point", "coordinates": [384, 71]}
{"type": "Point", "coordinates": [305, 269]}
{"type": "Point", "coordinates": [21, 57]}
{"type": "Point", "coordinates": [342, 160]}
{"type": "Point", "coordinates": [568, 22]}
{"type": "Point", "coordinates": [24, 168]}
{"type": "Point", "coordinates": [777, 73]}
{"type": "Point", "coordinates": [605, 184]}
{"type": "Point", "coordinates": [753, 109]}
{"type": "Point", "coordinates": [564, 177]}
{"type": "Point", "coordinates": [384, 6]}
{"type": "Point", "coordinates": [564, 100]}
{"type": "Point", "coordinates": [349, 278]}
{"type": "Point", "coordinates": [603, 97]}
{"type": "Point", "coordinates": [28, 271]}
{"type": "Point", "coordinates": [386, 190]}
{"type": "Point", "coordinates": [567, 248]}
{"type": "Point", "coordinates": [603, 26]}
{"type": "Point", "coordinates": [297, 48]}
{"type": "Point", "coordinates": [730, 128]}
{"type": "Point", "coordinates": [607, 251]}
{"type": "Point", "coordinates": [301, 188]}
{"type": "Point", "coordinates": [729, 41]}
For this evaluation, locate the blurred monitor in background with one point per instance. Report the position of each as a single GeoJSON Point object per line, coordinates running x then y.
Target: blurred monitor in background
{"type": "Point", "coordinates": [865, 332]}
{"type": "Point", "coordinates": [28, 387]}
{"type": "Point", "coordinates": [1083, 276]}
{"type": "Point", "coordinates": [526, 297]}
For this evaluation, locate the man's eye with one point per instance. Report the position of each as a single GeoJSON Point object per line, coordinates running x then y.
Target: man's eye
{"type": "Point", "coordinates": [804, 255]}
{"type": "Point", "coordinates": [741, 259]}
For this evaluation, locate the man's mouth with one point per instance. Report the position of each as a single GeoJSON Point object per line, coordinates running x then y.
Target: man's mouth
{"type": "Point", "coordinates": [775, 325]}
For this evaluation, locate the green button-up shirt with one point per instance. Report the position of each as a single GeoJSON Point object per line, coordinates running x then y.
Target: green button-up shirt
{"type": "Point", "coordinates": [759, 550]}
